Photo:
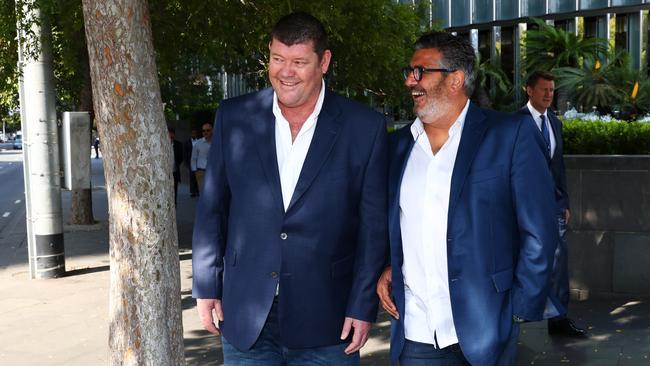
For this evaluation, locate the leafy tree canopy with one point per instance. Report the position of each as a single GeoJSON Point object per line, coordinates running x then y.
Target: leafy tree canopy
{"type": "Point", "coordinates": [195, 40]}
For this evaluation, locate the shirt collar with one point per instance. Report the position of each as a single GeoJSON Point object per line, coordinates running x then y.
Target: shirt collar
{"type": "Point", "coordinates": [319, 104]}
{"type": "Point", "coordinates": [534, 112]}
{"type": "Point", "coordinates": [417, 128]}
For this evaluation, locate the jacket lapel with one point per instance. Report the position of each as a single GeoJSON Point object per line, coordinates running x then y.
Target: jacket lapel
{"type": "Point", "coordinates": [327, 129]}
{"type": "Point", "coordinates": [404, 143]}
{"type": "Point", "coordinates": [470, 140]}
{"type": "Point", "coordinates": [264, 128]}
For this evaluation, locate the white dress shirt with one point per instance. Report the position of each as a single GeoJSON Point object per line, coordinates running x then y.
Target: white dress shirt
{"type": "Point", "coordinates": [424, 204]}
{"type": "Point", "coordinates": [538, 121]}
{"type": "Point", "coordinates": [291, 155]}
{"type": "Point", "coordinates": [200, 153]}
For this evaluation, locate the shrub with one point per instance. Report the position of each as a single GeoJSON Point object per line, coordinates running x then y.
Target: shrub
{"type": "Point", "coordinates": [608, 138]}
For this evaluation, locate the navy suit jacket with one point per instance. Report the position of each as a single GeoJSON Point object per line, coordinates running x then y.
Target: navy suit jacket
{"type": "Point", "coordinates": [328, 249]}
{"type": "Point", "coordinates": [501, 231]}
{"type": "Point", "coordinates": [556, 163]}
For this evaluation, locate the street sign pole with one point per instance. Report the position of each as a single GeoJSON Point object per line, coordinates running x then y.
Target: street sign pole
{"type": "Point", "coordinates": [40, 146]}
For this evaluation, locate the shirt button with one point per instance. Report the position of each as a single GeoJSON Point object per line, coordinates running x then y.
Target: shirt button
{"type": "Point", "coordinates": [274, 274]}
{"type": "Point", "coordinates": [283, 236]}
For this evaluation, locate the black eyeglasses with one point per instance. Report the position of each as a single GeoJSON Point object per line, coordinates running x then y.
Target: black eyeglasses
{"type": "Point", "coordinates": [418, 71]}
{"type": "Point", "coordinates": [206, 130]}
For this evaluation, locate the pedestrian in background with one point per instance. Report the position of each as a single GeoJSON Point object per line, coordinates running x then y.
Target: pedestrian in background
{"type": "Point", "coordinates": [200, 153]}
{"type": "Point", "coordinates": [540, 88]}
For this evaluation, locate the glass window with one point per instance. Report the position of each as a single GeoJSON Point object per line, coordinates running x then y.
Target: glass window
{"type": "Point", "coordinates": [484, 44]}
{"type": "Point", "coordinates": [593, 4]}
{"type": "Point", "coordinates": [533, 7]}
{"type": "Point", "coordinates": [561, 6]}
{"type": "Point", "coordinates": [507, 9]}
{"type": "Point", "coordinates": [482, 11]}
{"type": "Point", "coordinates": [626, 2]}
{"type": "Point", "coordinates": [440, 12]}
{"type": "Point", "coordinates": [460, 12]}
{"type": "Point", "coordinates": [620, 37]}
{"type": "Point", "coordinates": [508, 51]}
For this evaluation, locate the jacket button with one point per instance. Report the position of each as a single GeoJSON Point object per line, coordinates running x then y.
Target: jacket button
{"type": "Point", "coordinates": [284, 236]}
{"type": "Point", "coordinates": [274, 274]}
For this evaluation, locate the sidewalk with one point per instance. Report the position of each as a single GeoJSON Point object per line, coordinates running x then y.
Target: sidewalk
{"type": "Point", "coordinates": [65, 321]}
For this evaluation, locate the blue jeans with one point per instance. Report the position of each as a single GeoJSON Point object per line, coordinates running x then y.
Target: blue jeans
{"type": "Point", "coordinates": [424, 354]}
{"type": "Point", "coordinates": [269, 351]}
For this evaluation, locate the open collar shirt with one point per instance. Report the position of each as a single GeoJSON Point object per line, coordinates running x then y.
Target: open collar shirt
{"type": "Point", "coordinates": [291, 154]}
{"type": "Point", "coordinates": [424, 204]}
{"type": "Point", "coordinates": [200, 153]}
{"type": "Point", "coordinates": [538, 121]}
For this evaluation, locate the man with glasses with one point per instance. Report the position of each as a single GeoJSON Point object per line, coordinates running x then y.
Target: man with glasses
{"type": "Point", "coordinates": [470, 210]}
{"type": "Point", "coordinates": [291, 230]}
{"type": "Point", "coordinates": [200, 153]}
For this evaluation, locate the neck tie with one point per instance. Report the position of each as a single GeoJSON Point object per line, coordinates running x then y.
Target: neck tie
{"type": "Point", "coordinates": [545, 133]}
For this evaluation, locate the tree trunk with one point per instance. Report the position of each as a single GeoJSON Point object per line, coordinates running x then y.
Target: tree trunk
{"type": "Point", "coordinates": [144, 300]}
{"type": "Point", "coordinates": [81, 205]}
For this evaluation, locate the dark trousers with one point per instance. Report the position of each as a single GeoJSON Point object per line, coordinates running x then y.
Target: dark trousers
{"type": "Point", "coordinates": [560, 275]}
{"type": "Point", "coordinates": [177, 178]}
{"type": "Point", "coordinates": [269, 351]}
{"type": "Point", "coordinates": [194, 187]}
{"type": "Point", "coordinates": [423, 354]}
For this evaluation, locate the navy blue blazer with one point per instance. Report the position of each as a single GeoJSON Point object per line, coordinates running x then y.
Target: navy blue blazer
{"type": "Point", "coordinates": [556, 163]}
{"type": "Point", "coordinates": [328, 249]}
{"type": "Point", "coordinates": [501, 231]}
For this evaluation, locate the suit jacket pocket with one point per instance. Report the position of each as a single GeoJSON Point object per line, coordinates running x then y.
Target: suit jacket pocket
{"type": "Point", "coordinates": [503, 280]}
{"type": "Point", "coordinates": [342, 267]}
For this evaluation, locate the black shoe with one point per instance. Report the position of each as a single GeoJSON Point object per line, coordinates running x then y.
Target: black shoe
{"type": "Point", "coordinates": [194, 194]}
{"type": "Point", "coordinates": [565, 327]}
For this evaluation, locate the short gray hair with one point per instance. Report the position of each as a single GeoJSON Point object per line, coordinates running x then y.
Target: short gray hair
{"type": "Point", "coordinates": [457, 54]}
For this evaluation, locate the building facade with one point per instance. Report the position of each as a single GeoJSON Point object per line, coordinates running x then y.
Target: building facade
{"type": "Point", "coordinates": [496, 27]}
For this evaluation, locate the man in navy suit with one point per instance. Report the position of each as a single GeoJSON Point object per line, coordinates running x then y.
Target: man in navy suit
{"type": "Point", "coordinates": [291, 231]}
{"type": "Point", "coordinates": [540, 87]}
{"type": "Point", "coordinates": [470, 215]}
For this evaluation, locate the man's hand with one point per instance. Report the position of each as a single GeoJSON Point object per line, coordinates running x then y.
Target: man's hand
{"type": "Point", "coordinates": [567, 216]}
{"type": "Point", "coordinates": [384, 286]}
{"type": "Point", "coordinates": [205, 308]}
{"type": "Point", "coordinates": [360, 335]}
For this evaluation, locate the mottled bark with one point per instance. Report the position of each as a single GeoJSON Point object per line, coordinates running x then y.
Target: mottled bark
{"type": "Point", "coordinates": [81, 205]}
{"type": "Point", "coordinates": [144, 301]}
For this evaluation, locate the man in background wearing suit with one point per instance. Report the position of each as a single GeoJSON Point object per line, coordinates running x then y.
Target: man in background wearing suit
{"type": "Point", "coordinates": [291, 230]}
{"type": "Point", "coordinates": [540, 87]}
{"type": "Point", "coordinates": [471, 223]}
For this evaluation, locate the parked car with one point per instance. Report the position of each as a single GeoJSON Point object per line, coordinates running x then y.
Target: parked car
{"type": "Point", "coordinates": [18, 143]}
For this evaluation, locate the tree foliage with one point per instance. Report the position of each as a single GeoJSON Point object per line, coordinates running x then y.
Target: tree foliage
{"type": "Point", "coordinates": [8, 62]}
{"type": "Point", "coordinates": [609, 87]}
{"type": "Point", "coordinates": [196, 40]}
{"type": "Point", "coordinates": [548, 47]}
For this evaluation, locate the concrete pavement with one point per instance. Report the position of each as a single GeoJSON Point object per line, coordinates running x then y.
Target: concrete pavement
{"type": "Point", "coordinates": [65, 321]}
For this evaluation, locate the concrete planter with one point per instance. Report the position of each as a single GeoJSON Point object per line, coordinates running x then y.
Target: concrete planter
{"type": "Point", "coordinates": [609, 232]}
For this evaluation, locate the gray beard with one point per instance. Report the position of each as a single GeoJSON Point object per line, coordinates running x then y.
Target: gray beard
{"type": "Point", "coordinates": [430, 110]}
